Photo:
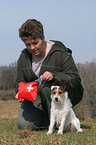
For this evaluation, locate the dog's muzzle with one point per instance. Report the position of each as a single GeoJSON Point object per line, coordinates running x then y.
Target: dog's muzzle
{"type": "Point", "coordinates": [56, 99]}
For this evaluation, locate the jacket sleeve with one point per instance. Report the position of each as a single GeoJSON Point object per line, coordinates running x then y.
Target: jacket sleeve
{"type": "Point", "coordinates": [69, 75]}
{"type": "Point", "coordinates": [20, 77]}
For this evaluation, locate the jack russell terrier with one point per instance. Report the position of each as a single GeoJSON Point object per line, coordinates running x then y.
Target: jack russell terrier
{"type": "Point", "coordinates": [61, 111]}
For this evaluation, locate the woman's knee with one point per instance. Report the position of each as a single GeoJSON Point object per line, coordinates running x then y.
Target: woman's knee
{"type": "Point", "coordinates": [29, 116]}
{"type": "Point", "coordinates": [23, 124]}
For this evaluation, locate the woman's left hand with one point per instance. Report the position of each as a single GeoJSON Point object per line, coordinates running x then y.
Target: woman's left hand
{"type": "Point", "coordinates": [20, 100]}
{"type": "Point", "coordinates": [47, 76]}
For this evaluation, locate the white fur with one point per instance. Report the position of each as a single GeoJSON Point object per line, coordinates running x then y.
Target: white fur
{"type": "Point", "coordinates": [62, 114]}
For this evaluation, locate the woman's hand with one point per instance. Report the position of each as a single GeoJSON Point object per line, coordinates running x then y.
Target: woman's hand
{"type": "Point", "coordinates": [47, 76]}
{"type": "Point", "coordinates": [20, 100]}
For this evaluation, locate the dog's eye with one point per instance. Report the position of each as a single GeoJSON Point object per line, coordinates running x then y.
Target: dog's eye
{"type": "Point", "coordinates": [54, 93]}
{"type": "Point", "coordinates": [60, 92]}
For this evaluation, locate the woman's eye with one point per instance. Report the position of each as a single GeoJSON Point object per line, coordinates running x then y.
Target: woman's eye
{"type": "Point", "coordinates": [35, 43]}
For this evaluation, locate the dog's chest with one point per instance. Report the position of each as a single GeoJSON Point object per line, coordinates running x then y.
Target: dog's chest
{"type": "Point", "coordinates": [58, 115]}
{"type": "Point", "coordinates": [58, 112]}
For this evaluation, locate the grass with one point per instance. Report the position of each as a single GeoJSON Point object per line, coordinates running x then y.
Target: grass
{"type": "Point", "coordinates": [11, 135]}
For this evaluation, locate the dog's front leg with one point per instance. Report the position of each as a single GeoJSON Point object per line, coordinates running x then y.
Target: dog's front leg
{"type": "Point", "coordinates": [61, 128]}
{"type": "Point", "coordinates": [52, 123]}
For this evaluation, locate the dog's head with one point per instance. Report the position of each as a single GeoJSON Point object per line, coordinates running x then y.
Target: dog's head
{"type": "Point", "coordinates": [57, 93]}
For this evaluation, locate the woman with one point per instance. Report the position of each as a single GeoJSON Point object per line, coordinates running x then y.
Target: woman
{"type": "Point", "coordinates": [53, 63]}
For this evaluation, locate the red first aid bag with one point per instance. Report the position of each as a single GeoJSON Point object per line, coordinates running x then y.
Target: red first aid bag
{"type": "Point", "coordinates": [28, 91]}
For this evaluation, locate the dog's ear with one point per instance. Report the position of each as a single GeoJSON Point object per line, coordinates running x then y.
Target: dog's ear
{"type": "Point", "coordinates": [52, 87]}
{"type": "Point", "coordinates": [63, 87]}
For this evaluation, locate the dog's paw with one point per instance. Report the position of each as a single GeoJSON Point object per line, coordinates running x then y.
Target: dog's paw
{"type": "Point", "coordinates": [49, 132]}
{"type": "Point", "coordinates": [80, 130]}
{"type": "Point", "coordinates": [60, 132]}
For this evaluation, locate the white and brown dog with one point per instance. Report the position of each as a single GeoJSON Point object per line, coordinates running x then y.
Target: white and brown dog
{"type": "Point", "coordinates": [61, 111]}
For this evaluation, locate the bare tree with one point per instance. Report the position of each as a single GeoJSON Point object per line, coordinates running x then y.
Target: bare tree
{"type": "Point", "coordinates": [88, 75]}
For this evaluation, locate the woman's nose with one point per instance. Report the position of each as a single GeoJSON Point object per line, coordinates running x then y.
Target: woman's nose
{"type": "Point", "coordinates": [32, 46]}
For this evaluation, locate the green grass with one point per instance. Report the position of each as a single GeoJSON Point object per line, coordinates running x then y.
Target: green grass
{"type": "Point", "coordinates": [11, 135]}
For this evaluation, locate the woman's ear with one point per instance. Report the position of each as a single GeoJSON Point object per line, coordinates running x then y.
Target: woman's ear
{"type": "Point", "coordinates": [43, 38]}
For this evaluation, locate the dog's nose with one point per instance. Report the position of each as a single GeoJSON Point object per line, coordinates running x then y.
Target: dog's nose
{"type": "Point", "coordinates": [56, 99]}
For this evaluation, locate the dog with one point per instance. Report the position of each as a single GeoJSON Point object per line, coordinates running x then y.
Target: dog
{"type": "Point", "coordinates": [61, 111]}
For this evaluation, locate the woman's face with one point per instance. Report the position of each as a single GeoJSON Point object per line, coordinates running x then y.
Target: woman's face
{"type": "Point", "coordinates": [35, 46]}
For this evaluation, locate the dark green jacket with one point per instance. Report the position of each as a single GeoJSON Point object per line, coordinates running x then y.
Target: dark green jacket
{"type": "Point", "coordinates": [59, 62]}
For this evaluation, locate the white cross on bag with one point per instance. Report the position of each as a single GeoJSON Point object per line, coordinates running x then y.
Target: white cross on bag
{"type": "Point", "coordinates": [30, 88]}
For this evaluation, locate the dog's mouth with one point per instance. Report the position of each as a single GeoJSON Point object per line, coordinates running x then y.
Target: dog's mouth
{"type": "Point", "coordinates": [56, 100]}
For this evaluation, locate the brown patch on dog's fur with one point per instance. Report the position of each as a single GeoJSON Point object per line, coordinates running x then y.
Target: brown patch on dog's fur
{"type": "Point", "coordinates": [59, 91]}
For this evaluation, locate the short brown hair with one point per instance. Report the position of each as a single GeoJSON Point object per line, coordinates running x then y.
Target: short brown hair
{"type": "Point", "coordinates": [31, 29]}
